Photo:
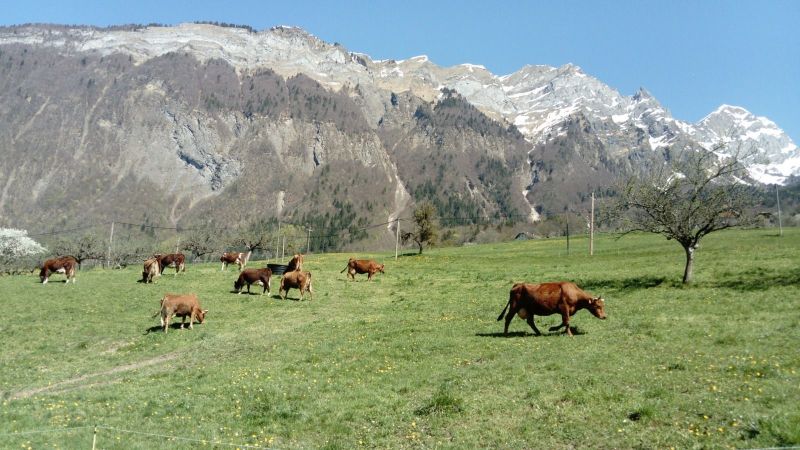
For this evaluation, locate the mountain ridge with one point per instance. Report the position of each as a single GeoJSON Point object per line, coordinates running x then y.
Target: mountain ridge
{"type": "Point", "coordinates": [219, 107]}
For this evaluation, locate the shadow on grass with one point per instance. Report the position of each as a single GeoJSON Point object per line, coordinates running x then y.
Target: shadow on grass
{"type": "Point", "coordinates": [626, 284]}
{"type": "Point", "coordinates": [172, 326]}
{"type": "Point", "coordinates": [758, 279]}
{"type": "Point", "coordinates": [406, 255]}
{"type": "Point", "coordinates": [251, 293]}
{"type": "Point", "coordinates": [499, 334]}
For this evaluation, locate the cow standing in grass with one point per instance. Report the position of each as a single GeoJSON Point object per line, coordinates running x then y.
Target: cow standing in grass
{"type": "Point", "coordinates": [296, 263]}
{"type": "Point", "coordinates": [176, 260]}
{"type": "Point", "coordinates": [61, 264]}
{"type": "Point", "coordinates": [234, 258]}
{"type": "Point", "coordinates": [544, 299]}
{"type": "Point", "coordinates": [366, 266]}
{"type": "Point", "coordinates": [150, 270]}
{"type": "Point", "coordinates": [181, 305]}
{"type": "Point", "coordinates": [296, 279]}
{"type": "Point", "coordinates": [253, 276]}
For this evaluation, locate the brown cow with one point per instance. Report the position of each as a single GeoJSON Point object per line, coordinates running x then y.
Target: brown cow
{"type": "Point", "coordinates": [181, 305]}
{"type": "Point", "coordinates": [544, 299]}
{"type": "Point", "coordinates": [151, 269]}
{"type": "Point", "coordinates": [176, 260]}
{"type": "Point", "coordinates": [296, 279]}
{"type": "Point", "coordinates": [60, 264]}
{"type": "Point", "coordinates": [296, 263]}
{"type": "Point", "coordinates": [253, 276]}
{"type": "Point", "coordinates": [235, 258]}
{"type": "Point", "coordinates": [367, 266]}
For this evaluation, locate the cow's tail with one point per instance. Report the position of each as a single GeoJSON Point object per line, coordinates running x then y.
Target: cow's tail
{"type": "Point", "coordinates": [160, 307]}
{"type": "Point", "coordinates": [503, 313]}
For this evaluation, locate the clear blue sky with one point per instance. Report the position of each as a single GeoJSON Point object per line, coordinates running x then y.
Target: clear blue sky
{"type": "Point", "coordinates": [691, 55]}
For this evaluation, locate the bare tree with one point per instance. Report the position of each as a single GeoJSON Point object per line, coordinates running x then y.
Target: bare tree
{"type": "Point", "coordinates": [426, 226]}
{"type": "Point", "coordinates": [202, 241]}
{"type": "Point", "coordinates": [697, 194]}
{"type": "Point", "coordinates": [254, 237]}
{"type": "Point", "coordinates": [87, 247]}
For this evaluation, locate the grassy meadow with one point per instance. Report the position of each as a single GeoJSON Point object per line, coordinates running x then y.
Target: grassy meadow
{"type": "Point", "coordinates": [415, 358]}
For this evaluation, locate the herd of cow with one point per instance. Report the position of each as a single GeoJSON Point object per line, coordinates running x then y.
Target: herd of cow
{"type": "Point", "coordinates": [525, 300]}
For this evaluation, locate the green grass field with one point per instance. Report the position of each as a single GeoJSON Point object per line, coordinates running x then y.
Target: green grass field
{"type": "Point", "coordinates": [416, 357]}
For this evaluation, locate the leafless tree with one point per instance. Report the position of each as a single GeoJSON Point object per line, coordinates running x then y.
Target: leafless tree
{"type": "Point", "coordinates": [84, 248]}
{"type": "Point", "coordinates": [694, 195]}
{"type": "Point", "coordinates": [202, 241]}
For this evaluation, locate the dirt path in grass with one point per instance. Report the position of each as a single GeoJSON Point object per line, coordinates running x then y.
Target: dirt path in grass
{"type": "Point", "coordinates": [84, 381]}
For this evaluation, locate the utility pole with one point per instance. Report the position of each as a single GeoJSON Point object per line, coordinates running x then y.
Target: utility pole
{"type": "Point", "coordinates": [110, 245]}
{"type": "Point", "coordinates": [308, 242]}
{"type": "Point", "coordinates": [778, 199]}
{"type": "Point", "coordinates": [591, 228]}
{"type": "Point", "coordinates": [397, 238]}
{"type": "Point", "coordinates": [567, 235]}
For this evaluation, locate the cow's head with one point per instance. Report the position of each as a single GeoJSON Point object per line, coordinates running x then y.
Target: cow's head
{"type": "Point", "coordinates": [43, 274]}
{"type": "Point", "coordinates": [597, 307]}
{"type": "Point", "coordinates": [381, 268]}
{"type": "Point", "coordinates": [237, 285]}
{"type": "Point", "coordinates": [201, 315]}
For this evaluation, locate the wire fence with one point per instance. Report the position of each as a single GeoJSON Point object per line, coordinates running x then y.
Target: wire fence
{"type": "Point", "coordinates": [119, 243]}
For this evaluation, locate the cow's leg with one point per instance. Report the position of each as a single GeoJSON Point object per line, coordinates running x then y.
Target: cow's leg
{"type": "Point", "coordinates": [222, 268]}
{"type": "Point", "coordinates": [191, 321]}
{"type": "Point", "coordinates": [564, 321]}
{"type": "Point", "coordinates": [511, 313]}
{"type": "Point", "coordinates": [167, 321]}
{"type": "Point", "coordinates": [533, 325]}
{"type": "Point", "coordinates": [268, 287]}
{"type": "Point", "coordinates": [248, 288]}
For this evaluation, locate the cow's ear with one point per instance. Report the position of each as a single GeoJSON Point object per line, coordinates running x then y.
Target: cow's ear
{"type": "Point", "coordinates": [205, 311]}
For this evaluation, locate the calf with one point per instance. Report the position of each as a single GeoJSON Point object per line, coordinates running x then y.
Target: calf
{"type": "Point", "coordinates": [234, 258]}
{"type": "Point", "coordinates": [296, 263]}
{"type": "Point", "coordinates": [253, 276]}
{"type": "Point", "coordinates": [60, 264]}
{"type": "Point", "coordinates": [176, 260]}
{"type": "Point", "coordinates": [544, 299]}
{"type": "Point", "coordinates": [151, 269]}
{"type": "Point", "coordinates": [296, 279]}
{"type": "Point", "coordinates": [181, 305]}
{"type": "Point", "coordinates": [366, 266]}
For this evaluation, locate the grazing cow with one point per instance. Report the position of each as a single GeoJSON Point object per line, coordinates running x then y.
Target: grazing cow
{"type": "Point", "coordinates": [253, 276]}
{"type": "Point", "coordinates": [296, 279]}
{"type": "Point", "coordinates": [150, 270]}
{"type": "Point", "coordinates": [60, 264]}
{"type": "Point", "coordinates": [181, 305]}
{"type": "Point", "coordinates": [296, 263]}
{"type": "Point", "coordinates": [234, 258]}
{"type": "Point", "coordinates": [544, 299]}
{"type": "Point", "coordinates": [366, 266]}
{"type": "Point", "coordinates": [176, 260]}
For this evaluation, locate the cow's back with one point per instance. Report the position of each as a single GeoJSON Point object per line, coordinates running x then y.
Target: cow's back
{"type": "Point", "coordinates": [539, 299]}
{"type": "Point", "coordinates": [179, 304]}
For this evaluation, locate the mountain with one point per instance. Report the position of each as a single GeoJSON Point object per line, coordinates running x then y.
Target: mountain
{"type": "Point", "coordinates": [208, 124]}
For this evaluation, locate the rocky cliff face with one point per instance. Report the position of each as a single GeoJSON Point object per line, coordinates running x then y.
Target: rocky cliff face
{"type": "Point", "coordinates": [200, 123]}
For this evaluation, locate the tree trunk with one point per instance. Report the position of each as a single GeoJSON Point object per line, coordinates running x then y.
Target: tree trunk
{"type": "Point", "coordinates": [687, 272]}
{"type": "Point", "coordinates": [420, 247]}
